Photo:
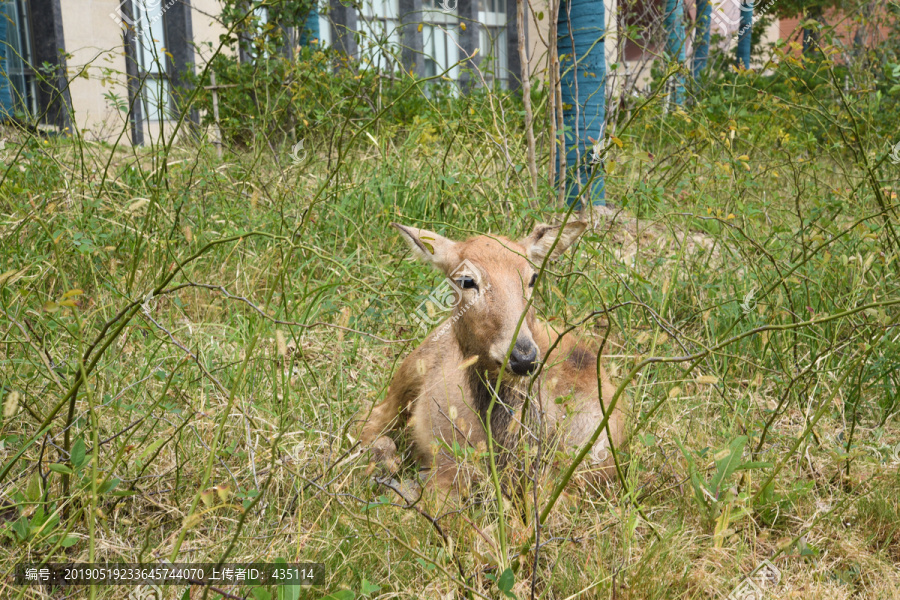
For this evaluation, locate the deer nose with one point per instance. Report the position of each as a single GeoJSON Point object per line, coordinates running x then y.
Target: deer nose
{"type": "Point", "coordinates": [523, 359]}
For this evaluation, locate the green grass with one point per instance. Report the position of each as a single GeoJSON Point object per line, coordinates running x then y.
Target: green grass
{"type": "Point", "coordinates": [768, 257]}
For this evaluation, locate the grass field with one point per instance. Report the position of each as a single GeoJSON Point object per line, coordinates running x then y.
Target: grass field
{"type": "Point", "coordinates": [185, 344]}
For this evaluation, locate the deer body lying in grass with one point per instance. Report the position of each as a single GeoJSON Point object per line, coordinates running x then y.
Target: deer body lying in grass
{"type": "Point", "coordinates": [448, 386]}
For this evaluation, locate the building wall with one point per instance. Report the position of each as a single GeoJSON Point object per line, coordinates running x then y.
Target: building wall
{"type": "Point", "coordinates": [790, 30]}
{"type": "Point", "coordinates": [94, 39]}
{"type": "Point", "coordinates": [787, 29]}
{"type": "Point", "coordinates": [96, 68]}
{"type": "Point", "coordinates": [206, 29]}
{"type": "Point", "coordinates": [536, 36]}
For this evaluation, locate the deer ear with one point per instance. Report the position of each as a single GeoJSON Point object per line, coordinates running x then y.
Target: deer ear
{"type": "Point", "coordinates": [430, 247]}
{"type": "Point", "coordinates": [541, 240]}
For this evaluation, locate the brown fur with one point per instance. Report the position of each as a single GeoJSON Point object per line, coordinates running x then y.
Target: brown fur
{"type": "Point", "coordinates": [430, 385]}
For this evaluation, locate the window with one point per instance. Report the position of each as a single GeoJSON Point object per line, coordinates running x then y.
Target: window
{"type": "Point", "coordinates": [324, 24]}
{"type": "Point", "coordinates": [379, 29]}
{"type": "Point", "coordinates": [17, 85]}
{"type": "Point", "coordinates": [260, 33]}
{"type": "Point", "coordinates": [495, 64]}
{"type": "Point", "coordinates": [493, 42]}
{"type": "Point", "coordinates": [156, 97]}
{"type": "Point", "coordinates": [440, 38]}
{"type": "Point", "coordinates": [441, 51]}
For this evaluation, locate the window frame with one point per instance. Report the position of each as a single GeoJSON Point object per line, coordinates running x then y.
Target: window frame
{"type": "Point", "coordinates": [24, 99]}
{"type": "Point", "coordinates": [438, 22]}
{"type": "Point", "coordinates": [383, 26]}
{"type": "Point", "coordinates": [494, 25]}
{"type": "Point", "coordinates": [158, 81]}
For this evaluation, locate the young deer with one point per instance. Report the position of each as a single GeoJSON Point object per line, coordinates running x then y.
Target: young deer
{"type": "Point", "coordinates": [446, 385]}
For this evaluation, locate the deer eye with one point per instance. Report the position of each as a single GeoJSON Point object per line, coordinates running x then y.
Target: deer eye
{"type": "Point", "coordinates": [467, 283]}
{"type": "Point", "coordinates": [533, 280]}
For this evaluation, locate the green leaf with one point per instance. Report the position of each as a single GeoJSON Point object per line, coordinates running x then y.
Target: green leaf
{"type": "Point", "coordinates": [261, 594]}
{"type": "Point", "coordinates": [288, 592]}
{"type": "Point", "coordinates": [648, 440]}
{"type": "Point", "coordinates": [78, 453]}
{"type": "Point", "coordinates": [38, 518]}
{"type": "Point", "coordinates": [809, 550]}
{"type": "Point", "coordinates": [151, 449]}
{"type": "Point", "coordinates": [33, 491]}
{"type": "Point", "coordinates": [696, 483]}
{"type": "Point", "coordinates": [68, 541]}
{"type": "Point", "coordinates": [382, 501]}
{"type": "Point", "coordinates": [506, 581]}
{"type": "Point", "coordinates": [109, 486]}
{"type": "Point", "coordinates": [60, 468]}
{"type": "Point", "coordinates": [368, 588]}
{"type": "Point", "coordinates": [428, 566]}
{"type": "Point", "coordinates": [21, 528]}
{"type": "Point", "coordinates": [728, 464]}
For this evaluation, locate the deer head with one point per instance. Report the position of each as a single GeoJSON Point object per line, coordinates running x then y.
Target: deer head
{"type": "Point", "coordinates": [494, 278]}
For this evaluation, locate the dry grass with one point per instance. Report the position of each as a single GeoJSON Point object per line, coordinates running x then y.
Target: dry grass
{"type": "Point", "coordinates": [262, 406]}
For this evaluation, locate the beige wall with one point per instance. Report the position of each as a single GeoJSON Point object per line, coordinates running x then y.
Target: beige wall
{"type": "Point", "coordinates": [206, 29]}
{"type": "Point", "coordinates": [97, 64]}
{"type": "Point", "coordinates": [538, 30]}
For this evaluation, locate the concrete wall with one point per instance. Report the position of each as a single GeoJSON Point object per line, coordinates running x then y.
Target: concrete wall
{"type": "Point", "coordinates": [536, 36]}
{"type": "Point", "coordinates": [96, 68]}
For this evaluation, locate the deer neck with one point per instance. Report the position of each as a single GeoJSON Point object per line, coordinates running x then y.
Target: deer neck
{"type": "Point", "coordinates": [507, 397]}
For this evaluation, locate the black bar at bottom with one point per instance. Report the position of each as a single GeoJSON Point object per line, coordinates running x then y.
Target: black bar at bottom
{"type": "Point", "coordinates": [170, 574]}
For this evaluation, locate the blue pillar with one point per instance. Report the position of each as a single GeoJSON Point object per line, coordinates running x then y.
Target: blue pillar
{"type": "Point", "coordinates": [582, 64]}
{"type": "Point", "coordinates": [746, 32]}
{"type": "Point", "coordinates": [701, 37]}
{"type": "Point", "coordinates": [674, 24]}
{"type": "Point", "coordinates": [310, 29]}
